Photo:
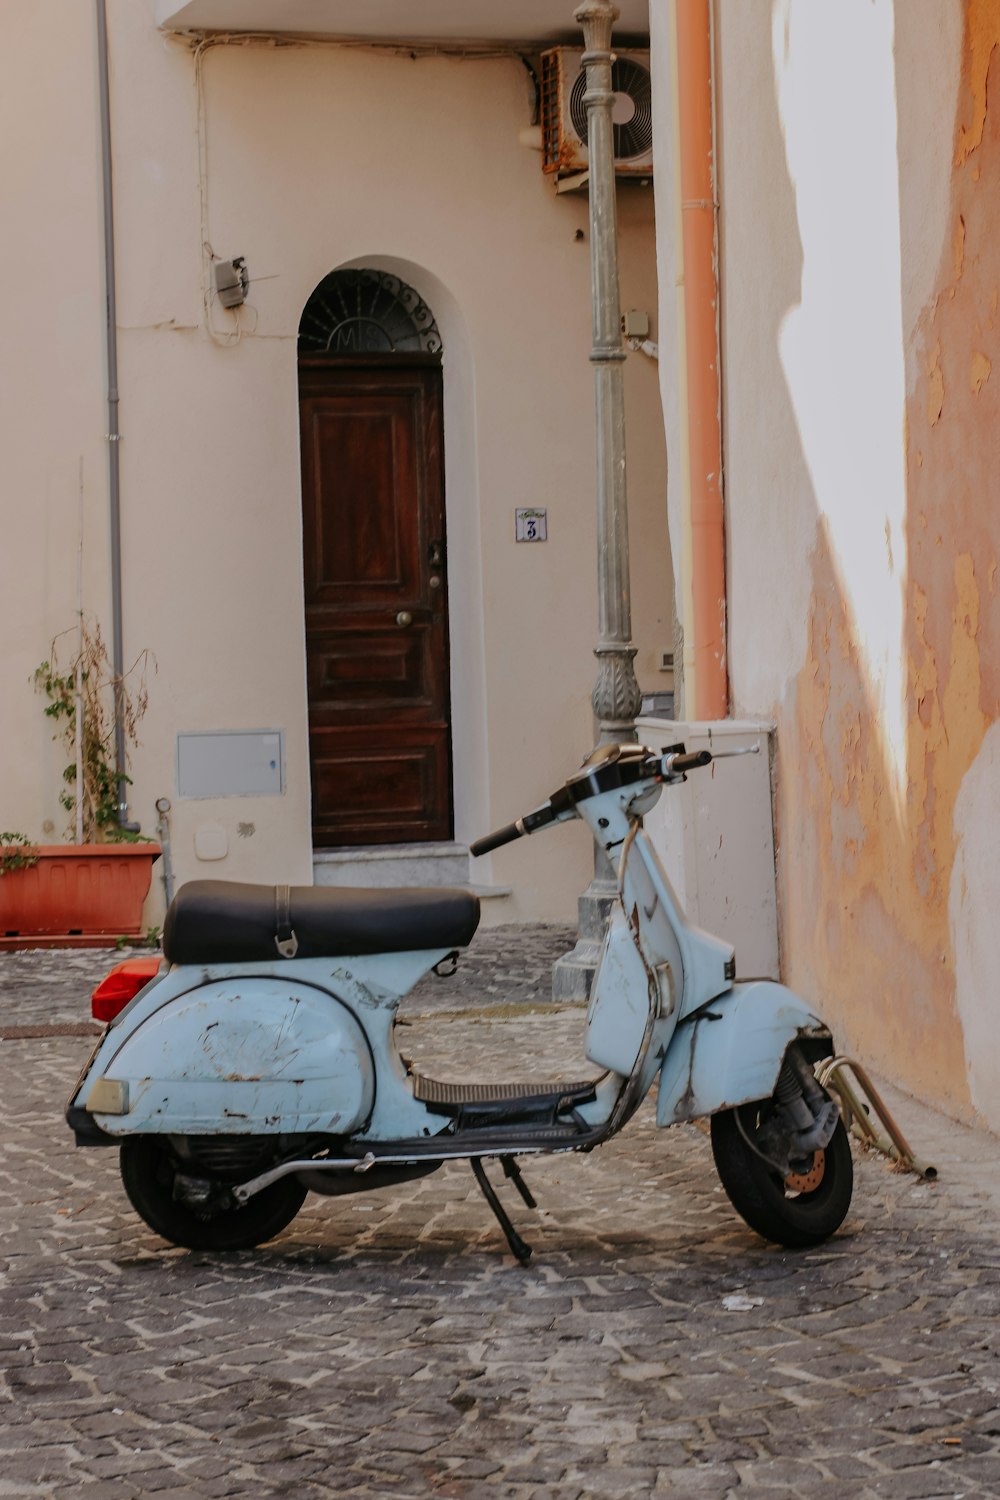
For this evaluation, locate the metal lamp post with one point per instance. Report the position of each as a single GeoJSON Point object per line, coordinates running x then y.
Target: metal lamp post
{"type": "Point", "coordinates": [616, 697]}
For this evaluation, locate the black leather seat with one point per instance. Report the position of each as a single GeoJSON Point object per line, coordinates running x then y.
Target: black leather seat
{"type": "Point", "coordinates": [225, 922]}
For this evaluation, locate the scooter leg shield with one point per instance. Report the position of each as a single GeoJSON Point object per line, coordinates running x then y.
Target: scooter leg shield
{"type": "Point", "coordinates": [263, 1057]}
{"type": "Point", "coordinates": [730, 1051]}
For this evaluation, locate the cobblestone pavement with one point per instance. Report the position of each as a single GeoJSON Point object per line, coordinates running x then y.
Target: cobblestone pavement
{"type": "Point", "coordinates": [387, 1345]}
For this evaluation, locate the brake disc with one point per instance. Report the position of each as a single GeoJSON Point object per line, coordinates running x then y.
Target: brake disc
{"type": "Point", "coordinates": [807, 1182]}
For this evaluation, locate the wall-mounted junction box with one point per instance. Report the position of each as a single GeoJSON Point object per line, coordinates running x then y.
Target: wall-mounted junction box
{"type": "Point", "coordinates": [230, 763]}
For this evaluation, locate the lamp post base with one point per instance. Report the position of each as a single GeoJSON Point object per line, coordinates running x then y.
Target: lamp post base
{"type": "Point", "coordinates": [573, 974]}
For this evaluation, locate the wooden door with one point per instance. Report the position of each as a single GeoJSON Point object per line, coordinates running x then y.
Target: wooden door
{"type": "Point", "coordinates": [375, 601]}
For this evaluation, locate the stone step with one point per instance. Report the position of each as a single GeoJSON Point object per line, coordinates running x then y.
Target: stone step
{"type": "Point", "coordinates": [383, 865]}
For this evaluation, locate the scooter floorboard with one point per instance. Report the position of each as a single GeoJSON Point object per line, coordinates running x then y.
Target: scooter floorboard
{"type": "Point", "coordinates": [478, 1106]}
{"type": "Point", "coordinates": [495, 1138]}
{"type": "Point", "coordinates": [452, 1097]}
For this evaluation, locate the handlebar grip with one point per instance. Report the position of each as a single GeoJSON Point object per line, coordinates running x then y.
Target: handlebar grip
{"type": "Point", "coordinates": [690, 761]}
{"type": "Point", "coordinates": [489, 841]}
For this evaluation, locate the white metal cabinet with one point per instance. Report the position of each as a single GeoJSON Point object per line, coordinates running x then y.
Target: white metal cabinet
{"type": "Point", "coordinates": [715, 836]}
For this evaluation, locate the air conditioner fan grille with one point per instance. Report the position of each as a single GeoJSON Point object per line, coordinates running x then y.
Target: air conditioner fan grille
{"type": "Point", "coordinates": [633, 137]}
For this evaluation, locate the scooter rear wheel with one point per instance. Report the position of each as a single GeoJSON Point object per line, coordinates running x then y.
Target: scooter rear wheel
{"type": "Point", "coordinates": [797, 1211]}
{"type": "Point", "coordinates": [149, 1168]}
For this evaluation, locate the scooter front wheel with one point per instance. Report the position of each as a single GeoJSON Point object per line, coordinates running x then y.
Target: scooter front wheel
{"type": "Point", "coordinates": [799, 1210]}
{"type": "Point", "coordinates": [149, 1170]}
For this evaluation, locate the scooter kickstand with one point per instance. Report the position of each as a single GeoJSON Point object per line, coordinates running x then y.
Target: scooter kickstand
{"type": "Point", "coordinates": [513, 1171]}
{"type": "Point", "coordinates": [520, 1251]}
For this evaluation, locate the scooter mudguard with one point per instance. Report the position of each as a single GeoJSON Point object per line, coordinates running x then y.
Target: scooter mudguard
{"type": "Point", "coordinates": [730, 1051]}
{"type": "Point", "coordinates": [264, 1056]}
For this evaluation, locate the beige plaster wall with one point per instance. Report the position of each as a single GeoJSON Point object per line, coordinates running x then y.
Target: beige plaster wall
{"type": "Point", "coordinates": [52, 412]}
{"type": "Point", "coordinates": [311, 157]}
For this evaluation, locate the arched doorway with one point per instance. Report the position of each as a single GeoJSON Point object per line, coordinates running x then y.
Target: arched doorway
{"type": "Point", "coordinates": [370, 406]}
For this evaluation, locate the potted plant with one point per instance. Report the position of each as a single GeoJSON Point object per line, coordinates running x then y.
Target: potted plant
{"type": "Point", "coordinates": [90, 892]}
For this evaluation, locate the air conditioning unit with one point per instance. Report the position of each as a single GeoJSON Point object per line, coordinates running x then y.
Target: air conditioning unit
{"type": "Point", "coordinates": [564, 114]}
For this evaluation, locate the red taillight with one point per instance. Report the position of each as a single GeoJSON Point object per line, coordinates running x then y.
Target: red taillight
{"type": "Point", "coordinates": [121, 985]}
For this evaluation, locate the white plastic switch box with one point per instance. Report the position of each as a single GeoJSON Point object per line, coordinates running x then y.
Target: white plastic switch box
{"type": "Point", "coordinates": [230, 763]}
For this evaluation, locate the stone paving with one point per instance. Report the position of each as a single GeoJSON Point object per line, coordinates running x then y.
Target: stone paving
{"type": "Point", "coordinates": [387, 1345]}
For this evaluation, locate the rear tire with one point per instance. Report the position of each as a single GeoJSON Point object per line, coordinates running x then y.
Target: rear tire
{"type": "Point", "coordinates": [796, 1212]}
{"type": "Point", "coordinates": [149, 1167]}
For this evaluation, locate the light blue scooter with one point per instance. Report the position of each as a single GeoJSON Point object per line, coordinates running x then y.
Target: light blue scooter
{"type": "Point", "coordinates": [262, 1063]}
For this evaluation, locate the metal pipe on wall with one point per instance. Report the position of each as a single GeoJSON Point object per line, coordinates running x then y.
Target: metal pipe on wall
{"type": "Point", "coordinates": [114, 433]}
{"type": "Point", "coordinates": [703, 605]}
{"type": "Point", "coordinates": [163, 839]}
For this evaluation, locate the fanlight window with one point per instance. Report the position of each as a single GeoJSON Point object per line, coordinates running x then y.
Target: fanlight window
{"type": "Point", "coordinates": [367, 312]}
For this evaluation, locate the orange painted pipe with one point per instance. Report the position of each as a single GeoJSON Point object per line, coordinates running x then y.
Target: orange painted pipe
{"type": "Point", "coordinates": [701, 313]}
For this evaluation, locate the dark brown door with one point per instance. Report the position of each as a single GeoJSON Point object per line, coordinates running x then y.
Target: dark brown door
{"type": "Point", "coordinates": [376, 601]}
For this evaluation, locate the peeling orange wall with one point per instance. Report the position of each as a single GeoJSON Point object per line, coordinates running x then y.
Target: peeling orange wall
{"type": "Point", "coordinates": [864, 881]}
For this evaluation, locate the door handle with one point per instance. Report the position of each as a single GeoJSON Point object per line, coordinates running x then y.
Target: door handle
{"type": "Point", "coordinates": [404, 618]}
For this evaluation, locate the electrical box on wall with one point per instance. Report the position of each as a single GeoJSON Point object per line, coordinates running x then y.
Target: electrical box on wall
{"type": "Point", "coordinates": [232, 281]}
{"type": "Point", "coordinates": [715, 836]}
{"type": "Point", "coordinates": [230, 763]}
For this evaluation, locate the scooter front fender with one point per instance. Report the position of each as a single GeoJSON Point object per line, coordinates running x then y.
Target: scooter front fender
{"type": "Point", "coordinates": [730, 1051]}
{"type": "Point", "coordinates": [252, 1054]}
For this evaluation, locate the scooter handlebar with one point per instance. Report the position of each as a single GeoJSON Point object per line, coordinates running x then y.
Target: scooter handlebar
{"type": "Point", "coordinates": [690, 760]}
{"type": "Point", "coordinates": [674, 765]}
{"type": "Point", "coordinates": [538, 818]}
{"type": "Point", "coordinates": [499, 836]}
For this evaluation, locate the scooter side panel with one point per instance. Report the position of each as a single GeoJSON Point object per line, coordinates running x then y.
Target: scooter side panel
{"type": "Point", "coordinates": [267, 1056]}
{"type": "Point", "coordinates": [731, 1051]}
{"type": "Point", "coordinates": [619, 1001]}
{"type": "Point", "coordinates": [699, 960]}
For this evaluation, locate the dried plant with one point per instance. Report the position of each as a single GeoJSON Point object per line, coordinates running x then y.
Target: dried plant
{"type": "Point", "coordinates": [88, 678]}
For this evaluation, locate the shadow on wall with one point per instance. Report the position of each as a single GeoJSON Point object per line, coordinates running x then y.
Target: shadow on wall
{"type": "Point", "coordinates": [889, 875]}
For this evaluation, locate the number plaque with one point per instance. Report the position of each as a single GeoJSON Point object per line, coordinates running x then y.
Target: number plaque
{"type": "Point", "coordinates": [530, 525]}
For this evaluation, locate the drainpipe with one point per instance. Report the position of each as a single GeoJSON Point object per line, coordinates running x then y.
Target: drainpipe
{"type": "Point", "coordinates": [114, 435]}
{"type": "Point", "coordinates": [163, 839]}
{"type": "Point", "coordinates": [703, 569]}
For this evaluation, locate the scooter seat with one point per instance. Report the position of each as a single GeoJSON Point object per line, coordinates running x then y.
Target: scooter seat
{"type": "Point", "coordinates": [226, 922]}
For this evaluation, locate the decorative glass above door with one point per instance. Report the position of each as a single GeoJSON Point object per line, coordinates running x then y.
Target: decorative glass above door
{"type": "Point", "coordinates": [367, 312]}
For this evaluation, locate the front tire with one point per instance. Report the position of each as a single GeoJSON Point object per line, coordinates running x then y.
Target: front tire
{"type": "Point", "coordinates": [796, 1211]}
{"type": "Point", "coordinates": [148, 1169]}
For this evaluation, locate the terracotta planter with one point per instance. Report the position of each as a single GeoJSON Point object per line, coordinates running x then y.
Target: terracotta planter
{"type": "Point", "coordinates": [76, 896]}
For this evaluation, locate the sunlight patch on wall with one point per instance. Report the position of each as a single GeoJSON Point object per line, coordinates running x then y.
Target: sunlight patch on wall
{"type": "Point", "coordinates": [841, 348]}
